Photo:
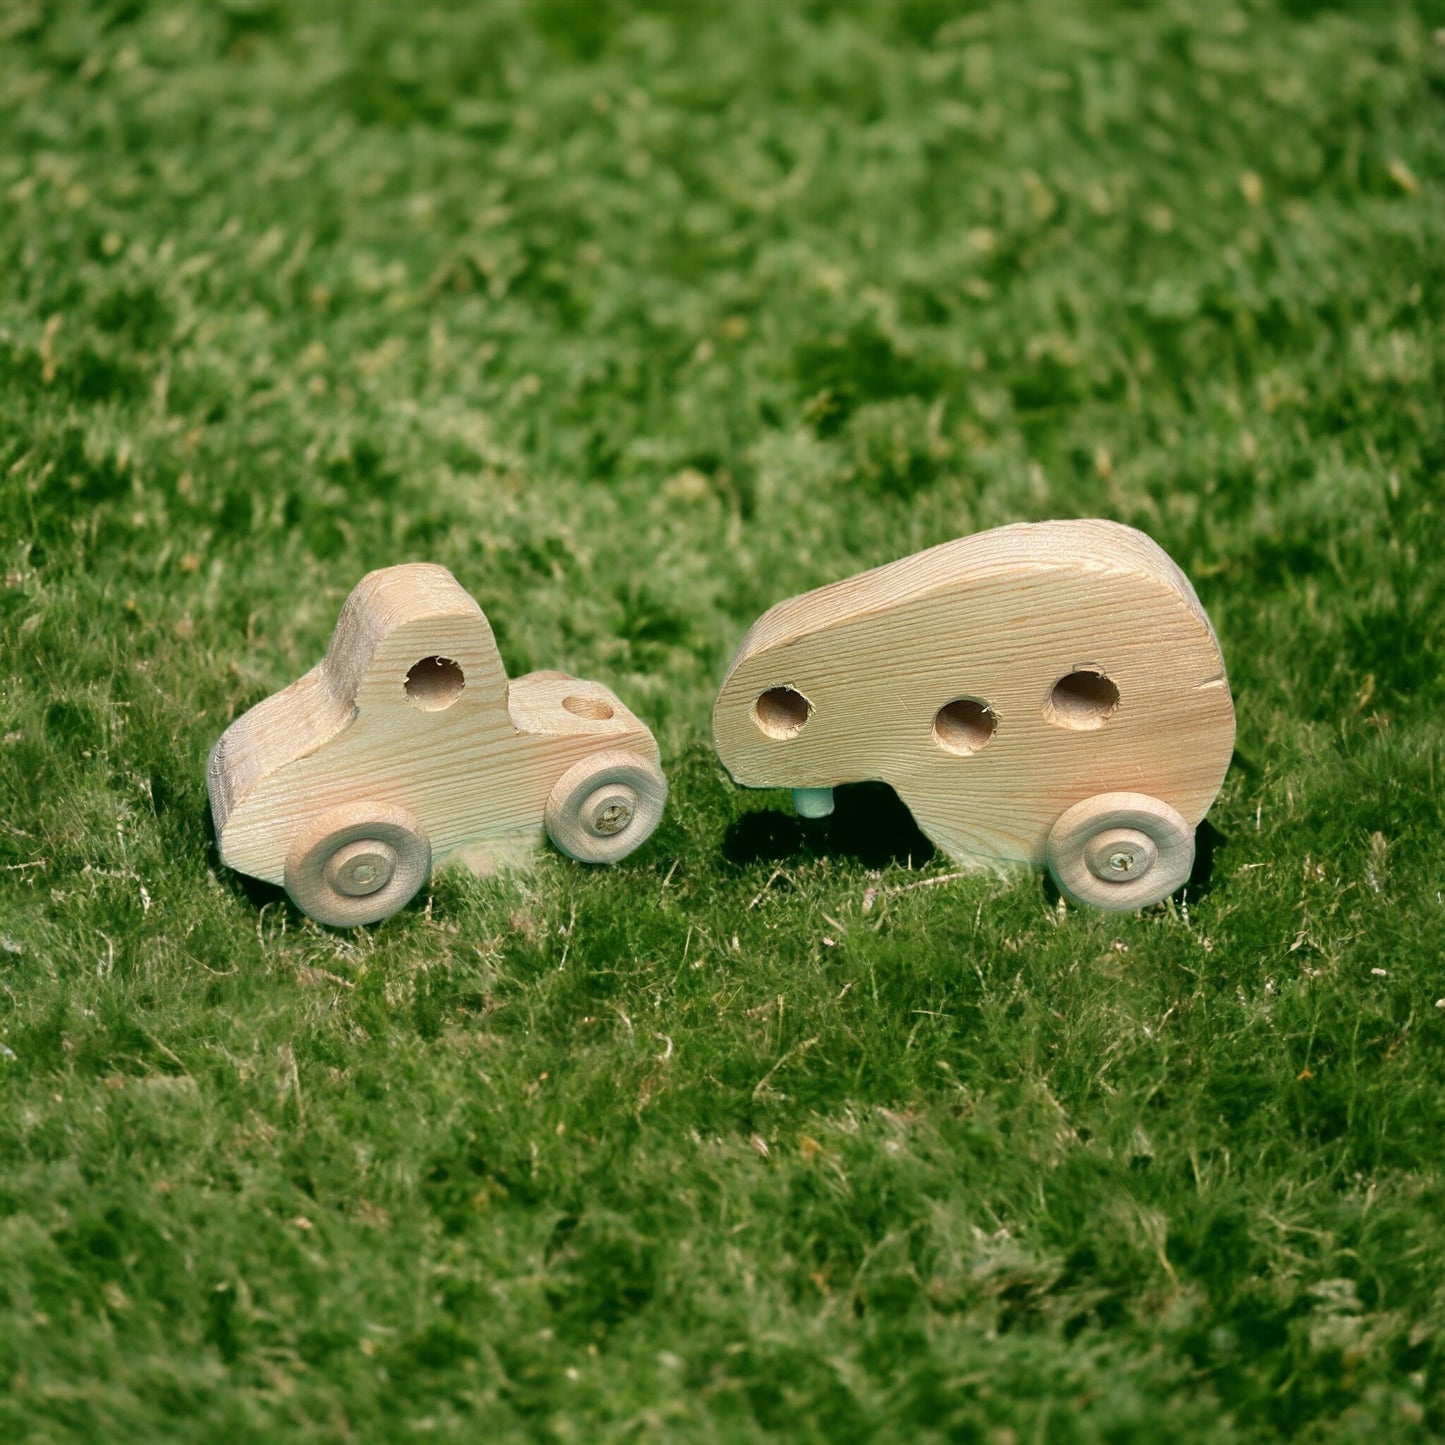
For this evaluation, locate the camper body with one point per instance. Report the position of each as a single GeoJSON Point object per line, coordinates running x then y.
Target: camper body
{"type": "Point", "coordinates": [1003, 684]}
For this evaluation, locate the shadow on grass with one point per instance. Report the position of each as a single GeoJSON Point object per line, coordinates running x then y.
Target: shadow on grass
{"type": "Point", "coordinates": [1208, 840]}
{"type": "Point", "coordinates": [869, 824]}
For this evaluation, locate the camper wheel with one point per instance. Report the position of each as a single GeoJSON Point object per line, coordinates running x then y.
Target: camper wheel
{"type": "Point", "coordinates": [1120, 851]}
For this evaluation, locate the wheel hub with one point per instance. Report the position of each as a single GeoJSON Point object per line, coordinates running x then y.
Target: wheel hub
{"type": "Point", "coordinates": [609, 810]}
{"type": "Point", "coordinates": [1120, 855]}
{"type": "Point", "coordinates": [360, 868]}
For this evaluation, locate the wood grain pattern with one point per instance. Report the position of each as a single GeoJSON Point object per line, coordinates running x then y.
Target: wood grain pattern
{"type": "Point", "coordinates": [412, 710]}
{"type": "Point", "coordinates": [994, 682]}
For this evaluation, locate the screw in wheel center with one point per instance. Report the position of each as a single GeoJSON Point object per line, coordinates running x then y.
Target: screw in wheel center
{"type": "Point", "coordinates": [611, 819]}
{"type": "Point", "coordinates": [361, 868]}
{"type": "Point", "coordinates": [609, 810]}
{"type": "Point", "coordinates": [1119, 855]}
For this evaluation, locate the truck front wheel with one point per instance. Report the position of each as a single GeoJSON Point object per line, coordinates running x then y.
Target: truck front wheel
{"type": "Point", "coordinates": [604, 806]}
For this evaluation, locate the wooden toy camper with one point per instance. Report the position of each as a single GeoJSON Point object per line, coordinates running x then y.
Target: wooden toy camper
{"type": "Point", "coordinates": [406, 745]}
{"type": "Point", "coordinates": [1049, 693]}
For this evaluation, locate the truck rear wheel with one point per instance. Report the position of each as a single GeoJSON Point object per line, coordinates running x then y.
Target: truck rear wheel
{"type": "Point", "coordinates": [357, 863]}
{"type": "Point", "coordinates": [1120, 851]}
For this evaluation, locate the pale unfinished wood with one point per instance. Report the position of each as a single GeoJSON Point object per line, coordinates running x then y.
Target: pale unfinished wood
{"type": "Point", "coordinates": [996, 682]}
{"type": "Point", "coordinates": [407, 742]}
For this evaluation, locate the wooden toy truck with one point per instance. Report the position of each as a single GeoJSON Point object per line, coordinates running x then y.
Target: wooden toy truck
{"type": "Point", "coordinates": [406, 744]}
{"type": "Point", "coordinates": [1049, 693]}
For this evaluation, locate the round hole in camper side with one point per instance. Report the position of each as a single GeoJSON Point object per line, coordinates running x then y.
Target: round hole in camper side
{"type": "Point", "coordinates": [782, 712]}
{"type": "Point", "coordinates": [1082, 700]}
{"type": "Point", "coordinates": [964, 725]}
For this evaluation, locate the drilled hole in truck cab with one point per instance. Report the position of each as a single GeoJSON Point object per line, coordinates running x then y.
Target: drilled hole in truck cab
{"type": "Point", "coordinates": [1082, 700]}
{"type": "Point", "coordinates": [595, 708]}
{"type": "Point", "coordinates": [964, 725]}
{"type": "Point", "coordinates": [434, 683]}
{"type": "Point", "coordinates": [782, 712]}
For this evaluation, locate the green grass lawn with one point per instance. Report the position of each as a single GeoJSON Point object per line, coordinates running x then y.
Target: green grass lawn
{"type": "Point", "coordinates": [640, 319]}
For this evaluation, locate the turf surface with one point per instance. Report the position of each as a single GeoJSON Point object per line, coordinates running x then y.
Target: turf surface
{"type": "Point", "coordinates": [639, 320]}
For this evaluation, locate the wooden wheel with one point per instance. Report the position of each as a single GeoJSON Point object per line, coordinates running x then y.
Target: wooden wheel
{"type": "Point", "coordinates": [1120, 851]}
{"type": "Point", "coordinates": [605, 806]}
{"type": "Point", "coordinates": [357, 863]}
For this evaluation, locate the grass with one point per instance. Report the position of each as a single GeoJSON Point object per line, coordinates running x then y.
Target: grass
{"type": "Point", "coordinates": [639, 319]}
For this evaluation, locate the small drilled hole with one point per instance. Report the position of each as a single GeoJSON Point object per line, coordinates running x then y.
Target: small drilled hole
{"type": "Point", "coordinates": [781, 712]}
{"type": "Point", "coordinates": [589, 707]}
{"type": "Point", "coordinates": [434, 683]}
{"type": "Point", "coordinates": [1082, 700]}
{"type": "Point", "coordinates": [964, 725]}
